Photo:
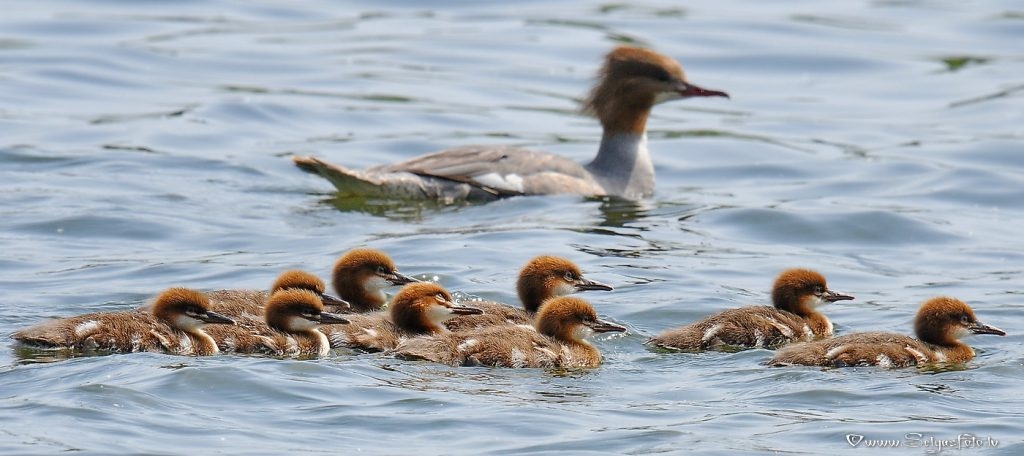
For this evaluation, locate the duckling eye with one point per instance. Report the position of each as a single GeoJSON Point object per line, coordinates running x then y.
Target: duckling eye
{"type": "Point", "coordinates": [569, 277]}
{"type": "Point", "coordinates": [965, 319]}
{"type": "Point", "coordinates": [818, 289]}
{"type": "Point", "coordinates": [382, 270]}
{"type": "Point", "coordinates": [440, 298]}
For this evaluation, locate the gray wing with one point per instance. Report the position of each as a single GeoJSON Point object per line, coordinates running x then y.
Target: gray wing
{"type": "Point", "coordinates": [504, 171]}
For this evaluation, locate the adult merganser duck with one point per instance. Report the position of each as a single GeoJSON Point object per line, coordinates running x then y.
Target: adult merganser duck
{"type": "Point", "coordinates": [237, 303]}
{"type": "Point", "coordinates": [795, 295]}
{"type": "Point", "coordinates": [542, 278]}
{"type": "Point", "coordinates": [939, 325]}
{"type": "Point", "coordinates": [558, 339]}
{"type": "Point", "coordinates": [418, 308]}
{"type": "Point", "coordinates": [173, 323]}
{"type": "Point", "coordinates": [361, 275]}
{"type": "Point", "coordinates": [288, 327]}
{"type": "Point", "coordinates": [631, 81]}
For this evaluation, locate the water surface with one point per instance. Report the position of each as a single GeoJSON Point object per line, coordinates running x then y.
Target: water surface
{"type": "Point", "coordinates": [148, 144]}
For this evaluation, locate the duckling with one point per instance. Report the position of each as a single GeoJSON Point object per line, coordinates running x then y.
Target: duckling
{"type": "Point", "coordinates": [795, 295]}
{"type": "Point", "coordinates": [418, 308]}
{"type": "Point", "coordinates": [288, 327]}
{"type": "Point", "coordinates": [542, 278]}
{"type": "Point", "coordinates": [238, 303]}
{"type": "Point", "coordinates": [558, 339]}
{"type": "Point", "coordinates": [361, 275]}
{"type": "Point", "coordinates": [939, 325]}
{"type": "Point", "coordinates": [173, 323]}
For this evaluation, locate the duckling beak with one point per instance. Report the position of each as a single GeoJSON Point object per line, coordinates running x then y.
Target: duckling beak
{"type": "Point", "coordinates": [397, 278]}
{"type": "Point", "coordinates": [831, 296]}
{"type": "Point", "coordinates": [463, 310]}
{"type": "Point", "coordinates": [600, 326]}
{"type": "Point", "coordinates": [981, 328]}
{"type": "Point", "coordinates": [327, 318]}
{"type": "Point", "coordinates": [331, 300]}
{"type": "Point", "coordinates": [686, 90]}
{"type": "Point", "coordinates": [587, 284]}
{"type": "Point", "coordinates": [215, 318]}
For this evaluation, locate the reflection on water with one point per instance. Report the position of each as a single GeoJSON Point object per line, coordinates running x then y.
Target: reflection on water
{"type": "Point", "coordinates": [26, 354]}
{"type": "Point", "coordinates": [618, 212]}
{"type": "Point", "coordinates": [397, 210]}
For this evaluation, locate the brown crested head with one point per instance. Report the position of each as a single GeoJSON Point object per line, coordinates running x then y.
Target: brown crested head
{"type": "Point", "coordinates": [421, 308]}
{"type": "Point", "coordinates": [302, 280]}
{"type": "Point", "coordinates": [943, 320]}
{"type": "Point", "coordinates": [570, 319]}
{"type": "Point", "coordinates": [631, 81]}
{"type": "Point", "coordinates": [186, 309]}
{"type": "Point", "coordinates": [295, 278]}
{"type": "Point", "coordinates": [546, 277]}
{"type": "Point", "coordinates": [297, 310]}
{"type": "Point", "coordinates": [361, 275]}
{"type": "Point", "coordinates": [801, 290]}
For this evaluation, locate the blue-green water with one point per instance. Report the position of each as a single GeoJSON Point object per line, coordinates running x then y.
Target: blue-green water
{"type": "Point", "coordinates": [148, 144]}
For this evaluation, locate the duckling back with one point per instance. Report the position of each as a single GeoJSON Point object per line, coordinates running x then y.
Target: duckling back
{"type": "Point", "coordinates": [238, 303]}
{"type": "Point", "coordinates": [250, 335]}
{"type": "Point", "coordinates": [116, 332]}
{"type": "Point", "coordinates": [494, 314]}
{"type": "Point", "coordinates": [862, 349]}
{"type": "Point", "coordinates": [512, 346]}
{"type": "Point", "coordinates": [372, 332]}
{"type": "Point", "coordinates": [753, 326]}
{"type": "Point", "coordinates": [128, 331]}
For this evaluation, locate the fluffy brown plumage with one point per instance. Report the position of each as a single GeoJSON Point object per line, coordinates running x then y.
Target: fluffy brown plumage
{"type": "Point", "coordinates": [939, 325]}
{"type": "Point", "coordinates": [556, 340]}
{"type": "Point", "coordinates": [542, 278]}
{"type": "Point", "coordinates": [173, 323]}
{"type": "Point", "coordinates": [361, 275]}
{"type": "Point", "coordinates": [239, 303]}
{"type": "Point", "coordinates": [795, 296]}
{"type": "Point", "coordinates": [419, 308]}
{"type": "Point", "coordinates": [288, 327]}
